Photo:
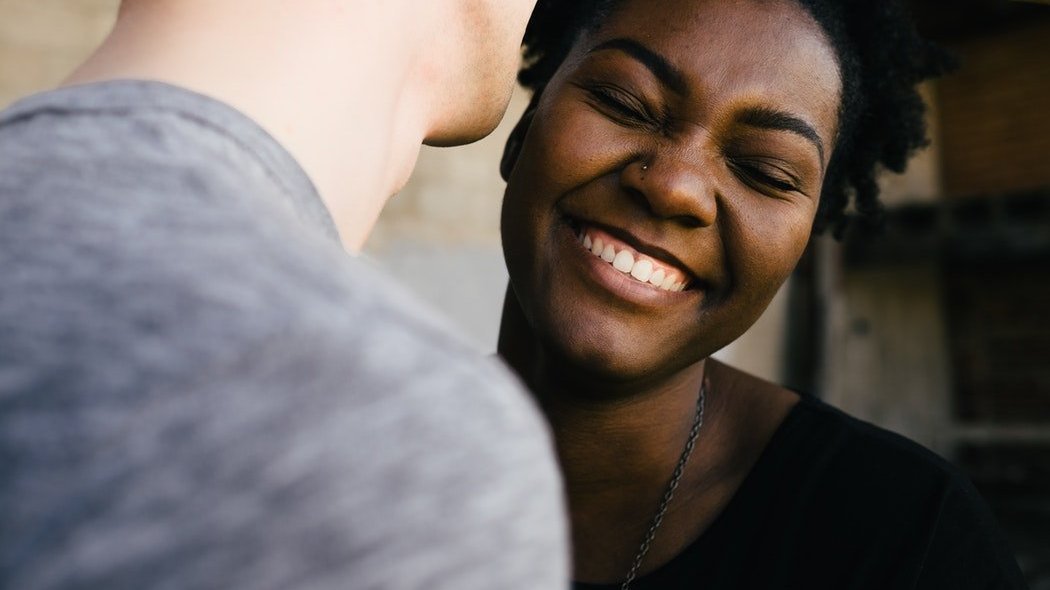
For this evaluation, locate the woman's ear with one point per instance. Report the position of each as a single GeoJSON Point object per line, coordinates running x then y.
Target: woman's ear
{"type": "Point", "coordinates": [512, 149]}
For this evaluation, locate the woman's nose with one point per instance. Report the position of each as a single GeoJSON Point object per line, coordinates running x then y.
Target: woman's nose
{"type": "Point", "coordinates": [673, 187]}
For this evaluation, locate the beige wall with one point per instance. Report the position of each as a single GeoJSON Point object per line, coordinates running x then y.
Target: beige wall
{"type": "Point", "coordinates": [886, 354]}
{"type": "Point", "coordinates": [42, 40]}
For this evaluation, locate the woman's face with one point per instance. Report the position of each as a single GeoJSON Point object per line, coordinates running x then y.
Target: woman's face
{"type": "Point", "coordinates": [690, 138]}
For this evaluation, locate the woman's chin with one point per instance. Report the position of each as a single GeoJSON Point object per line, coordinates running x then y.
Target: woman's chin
{"type": "Point", "coordinates": [612, 357]}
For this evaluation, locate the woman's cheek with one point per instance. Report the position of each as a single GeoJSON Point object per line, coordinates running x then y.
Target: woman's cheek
{"type": "Point", "coordinates": [581, 146]}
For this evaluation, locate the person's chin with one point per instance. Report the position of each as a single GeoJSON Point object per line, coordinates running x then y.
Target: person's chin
{"type": "Point", "coordinates": [582, 340]}
{"type": "Point", "coordinates": [462, 134]}
{"type": "Point", "coordinates": [474, 122]}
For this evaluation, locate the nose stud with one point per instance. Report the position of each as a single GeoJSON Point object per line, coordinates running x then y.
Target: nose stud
{"type": "Point", "coordinates": [645, 167]}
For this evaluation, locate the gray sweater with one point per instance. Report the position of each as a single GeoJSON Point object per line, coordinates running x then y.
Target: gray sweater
{"type": "Point", "coordinates": [200, 389]}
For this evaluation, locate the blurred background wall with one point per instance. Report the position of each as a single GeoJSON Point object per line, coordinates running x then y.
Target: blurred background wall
{"type": "Point", "coordinates": [939, 329]}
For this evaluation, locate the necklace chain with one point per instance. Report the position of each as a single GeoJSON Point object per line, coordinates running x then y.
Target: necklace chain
{"type": "Point", "coordinates": [672, 485]}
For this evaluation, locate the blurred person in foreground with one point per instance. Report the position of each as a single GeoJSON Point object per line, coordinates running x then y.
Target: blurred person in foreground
{"type": "Point", "coordinates": [672, 167]}
{"type": "Point", "coordinates": [199, 388]}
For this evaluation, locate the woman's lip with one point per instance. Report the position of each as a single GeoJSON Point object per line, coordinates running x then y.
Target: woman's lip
{"type": "Point", "coordinates": [649, 250]}
{"type": "Point", "coordinates": [642, 267]}
{"type": "Point", "coordinates": [614, 281]}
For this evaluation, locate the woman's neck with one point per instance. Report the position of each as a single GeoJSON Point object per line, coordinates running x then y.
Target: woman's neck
{"type": "Point", "coordinates": [619, 444]}
{"type": "Point", "coordinates": [617, 447]}
{"type": "Point", "coordinates": [610, 435]}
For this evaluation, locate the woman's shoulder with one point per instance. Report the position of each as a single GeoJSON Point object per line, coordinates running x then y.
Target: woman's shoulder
{"type": "Point", "coordinates": [884, 490]}
{"type": "Point", "coordinates": [819, 436]}
{"type": "Point", "coordinates": [807, 437]}
{"type": "Point", "coordinates": [860, 496]}
{"type": "Point", "coordinates": [817, 455]}
{"type": "Point", "coordinates": [859, 440]}
{"type": "Point", "coordinates": [825, 444]}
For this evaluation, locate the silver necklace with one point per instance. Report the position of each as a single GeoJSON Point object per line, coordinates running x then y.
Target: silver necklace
{"type": "Point", "coordinates": [676, 478]}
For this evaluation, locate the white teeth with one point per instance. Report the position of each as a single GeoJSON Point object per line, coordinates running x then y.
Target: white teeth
{"type": "Point", "coordinates": [623, 262]}
{"type": "Point", "coordinates": [597, 247]}
{"type": "Point", "coordinates": [643, 269]}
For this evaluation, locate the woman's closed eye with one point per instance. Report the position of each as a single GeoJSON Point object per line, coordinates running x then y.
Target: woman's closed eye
{"type": "Point", "coordinates": [769, 176]}
{"type": "Point", "coordinates": [621, 105]}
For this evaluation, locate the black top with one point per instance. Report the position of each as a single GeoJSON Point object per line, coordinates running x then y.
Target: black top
{"type": "Point", "coordinates": [837, 503]}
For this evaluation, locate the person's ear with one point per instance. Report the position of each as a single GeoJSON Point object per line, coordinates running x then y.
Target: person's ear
{"type": "Point", "coordinates": [512, 149]}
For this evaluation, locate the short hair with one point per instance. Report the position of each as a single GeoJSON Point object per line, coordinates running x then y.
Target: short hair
{"type": "Point", "coordinates": [881, 57]}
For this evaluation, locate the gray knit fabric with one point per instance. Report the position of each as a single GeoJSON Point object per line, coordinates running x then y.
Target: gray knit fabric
{"type": "Point", "coordinates": [200, 389]}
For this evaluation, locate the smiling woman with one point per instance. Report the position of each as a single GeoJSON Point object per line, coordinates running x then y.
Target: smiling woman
{"type": "Point", "coordinates": [675, 160]}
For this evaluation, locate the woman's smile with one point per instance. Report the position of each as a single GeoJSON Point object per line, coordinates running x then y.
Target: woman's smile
{"type": "Point", "coordinates": [628, 260]}
{"type": "Point", "coordinates": [618, 263]}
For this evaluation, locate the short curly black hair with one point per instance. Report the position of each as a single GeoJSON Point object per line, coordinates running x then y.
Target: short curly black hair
{"type": "Point", "coordinates": [881, 57]}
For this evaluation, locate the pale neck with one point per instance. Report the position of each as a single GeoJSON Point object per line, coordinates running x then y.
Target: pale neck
{"type": "Point", "coordinates": [354, 125]}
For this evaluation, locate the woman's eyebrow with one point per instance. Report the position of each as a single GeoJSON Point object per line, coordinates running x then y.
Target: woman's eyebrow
{"type": "Point", "coordinates": [768, 118]}
{"type": "Point", "coordinates": [656, 63]}
{"type": "Point", "coordinates": [672, 77]}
